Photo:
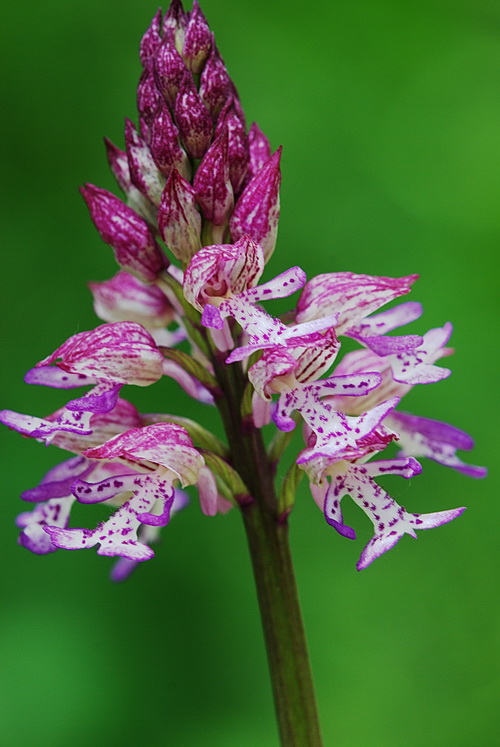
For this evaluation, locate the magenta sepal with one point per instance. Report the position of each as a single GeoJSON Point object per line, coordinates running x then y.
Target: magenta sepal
{"type": "Point", "coordinates": [151, 39]}
{"type": "Point", "coordinates": [148, 101]}
{"type": "Point", "coordinates": [230, 120]}
{"type": "Point", "coordinates": [211, 184]}
{"type": "Point", "coordinates": [169, 72]}
{"type": "Point", "coordinates": [193, 120]}
{"type": "Point", "coordinates": [174, 24]}
{"type": "Point", "coordinates": [128, 234]}
{"type": "Point", "coordinates": [215, 83]}
{"type": "Point", "coordinates": [179, 220]}
{"type": "Point", "coordinates": [197, 40]}
{"type": "Point", "coordinates": [259, 150]}
{"type": "Point", "coordinates": [257, 211]}
{"type": "Point", "coordinates": [144, 172]}
{"type": "Point", "coordinates": [165, 144]}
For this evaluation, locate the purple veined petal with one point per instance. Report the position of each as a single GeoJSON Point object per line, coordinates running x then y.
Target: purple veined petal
{"type": "Point", "coordinates": [169, 72]}
{"type": "Point", "coordinates": [197, 40]}
{"type": "Point", "coordinates": [118, 353]}
{"type": "Point", "coordinates": [274, 363]}
{"type": "Point", "coordinates": [193, 120]}
{"type": "Point", "coordinates": [190, 385]}
{"type": "Point", "coordinates": [163, 444]}
{"type": "Point", "coordinates": [434, 440]}
{"type": "Point", "coordinates": [352, 296]}
{"type": "Point", "coordinates": [221, 270]}
{"type": "Point", "coordinates": [179, 220]}
{"type": "Point", "coordinates": [165, 144]}
{"type": "Point", "coordinates": [416, 367]}
{"type": "Point", "coordinates": [131, 238]}
{"type": "Point", "coordinates": [58, 481]}
{"type": "Point", "coordinates": [87, 492]}
{"type": "Point", "coordinates": [57, 378]}
{"type": "Point", "coordinates": [350, 385]}
{"type": "Point", "coordinates": [259, 150]}
{"type": "Point", "coordinates": [125, 298]}
{"type": "Point", "coordinates": [207, 491]}
{"type": "Point", "coordinates": [33, 536]}
{"type": "Point", "coordinates": [257, 211]}
{"type": "Point", "coordinates": [331, 509]}
{"type": "Point", "coordinates": [215, 83]}
{"type": "Point", "coordinates": [213, 189]}
{"type": "Point", "coordinates": [144, 172]}
{"type": "Point", "coordinates": [151, 39]}
{"type": "Point", "coordinates": [102, 398]}
{"type": "Point", "coordinates": [386, 321]}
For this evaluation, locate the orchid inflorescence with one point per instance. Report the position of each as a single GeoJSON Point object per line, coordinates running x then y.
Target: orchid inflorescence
{"type": "Point", "coordinates": [196, 178]}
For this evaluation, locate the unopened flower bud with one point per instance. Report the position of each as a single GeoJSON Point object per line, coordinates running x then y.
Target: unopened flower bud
{"type": "Point", "coordinates": [143, 170]}
{"type": "Point", "coordinates": [151, 39]}
{"type": "Point", "coordinates": [258, 208]}
{"type": "Point", "coordinates": [179, 221]}
{"type": "Point", "coordinates": [118, 163]}
{"type": "Point", "coordinates": [215, 83]}
{"type": "Point", "coordinates": [193, 120]}
{"type": "Point", "coordinates": [165, 145]}
{"type": "Point", "coordinates": [169, 71]}
{"type": "Point", "coordinates": [197, 41]}
{"type": "Point", "coordinates": [259, 150]}
{"type": "Point", "coordinates": [174, 24]}
{"type": "Point", "coordinates": [212, 184]}
{"type": "Point", "coordinates": [230, 120]}
{"type": "Point", "coordinates": [148, 100]}
{"type": "Point", "coordinates": [127, 233]}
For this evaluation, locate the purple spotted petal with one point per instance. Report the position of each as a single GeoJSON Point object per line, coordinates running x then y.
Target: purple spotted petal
{"type": "Point", "coordinates": [416, 367]}
{"type": "Point", "coordinates": [34, 427]}
{"type": "Point", "coordinates": [87, 492]}
{"type": "Point", "coordinates": [54, 512]}
{"type": "Point", "coordinates": [57, 378]}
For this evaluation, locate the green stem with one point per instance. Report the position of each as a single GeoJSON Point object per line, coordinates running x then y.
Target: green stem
{"type": "Point", "coordinates": [267, 538]}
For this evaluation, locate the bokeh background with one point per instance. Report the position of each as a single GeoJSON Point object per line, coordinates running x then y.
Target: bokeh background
{"type": "Point", "coordinates": [389, 114]}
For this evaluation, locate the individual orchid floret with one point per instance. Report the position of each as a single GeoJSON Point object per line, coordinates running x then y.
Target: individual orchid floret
{"type": "Point", "coordinates": [107, 358]}
{"type": "Point", "coordinates": [164, 453]}
{"type": "Point", "coordinates": [259, 150]}
{"type": "Point", "coordinates": [148, 101]}
{"type": "Point", "coordinates": [390, 520]}
{"type": "Point", "coordinates": [231, 121]}
{"type": "Point", "coordinates": [179, 220]}
{"type": "Point", "coordinates": [212, 185]}
{"type": "Point", "coordinates": [423, 437]}
{"type": "Point", "coordinates": [144, 172]}
{"type": "Point", "coordinates": [354, 297]}
{"type": "Point", "coordinates": [118, 163]}
{"type": "Point", "coordinates": [175, 22]}
{"type": "Point", "coordinates": [151, 40]}
{"type": "Point", "coordinates": [193, 120]}
{"type": "Point", "coordinates": [257, 211]}
{"type": "Point", "coordinates": [262, 330]}
{"type": "Point", "coordinates": [131, 238]}
{"type": "Point", "coordinates": [215, 83]}
{"type": "Point", "coordinates": [125, 298]}
{"type": "Point", "coordinates": [165, 144]}
{"type": "Point", "coordinates": [197, 40]}
{"type": "Point", "coordinates": [169, 72]}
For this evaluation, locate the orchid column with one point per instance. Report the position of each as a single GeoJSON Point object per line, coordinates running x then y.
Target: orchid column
{"type": "Point", "coordinates": [192, 234]}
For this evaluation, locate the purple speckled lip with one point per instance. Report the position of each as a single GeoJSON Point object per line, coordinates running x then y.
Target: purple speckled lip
{"type": "Point", "coordinates": [196, 178]}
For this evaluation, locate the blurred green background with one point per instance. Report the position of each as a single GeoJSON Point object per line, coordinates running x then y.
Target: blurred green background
{"type": "Point", "coordinates": [389, 114]}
